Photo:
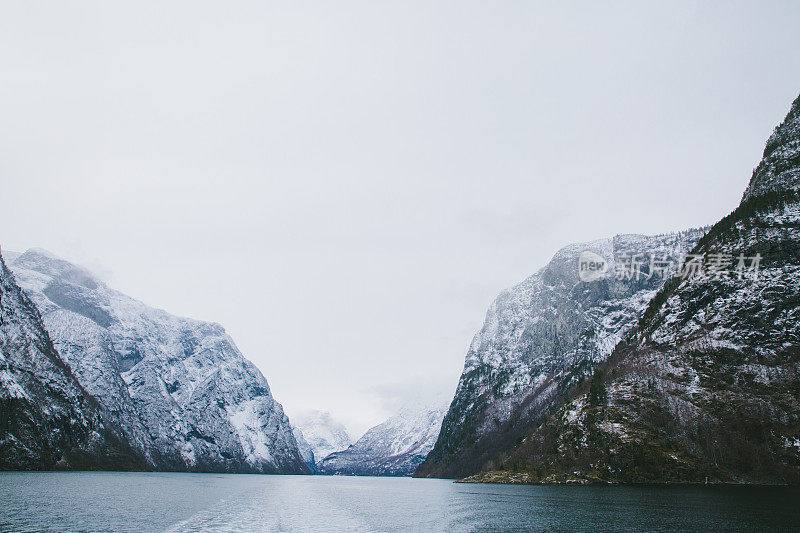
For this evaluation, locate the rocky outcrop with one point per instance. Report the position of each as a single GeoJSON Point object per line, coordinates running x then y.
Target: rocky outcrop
{"type": "Point", "coordinates": [779, 169]}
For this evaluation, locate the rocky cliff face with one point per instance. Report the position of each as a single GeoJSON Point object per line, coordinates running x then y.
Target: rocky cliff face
{"type": "Point", "coordinates": [47, 420]}
{"type": "Point", "coordinates": [177, 390]}
{"type": "Point", "coordinates": [707, 385]}
{"type": "Point", "coordinates": [544, 337]}
{"type": "Point", "coordinates": [395, 447]}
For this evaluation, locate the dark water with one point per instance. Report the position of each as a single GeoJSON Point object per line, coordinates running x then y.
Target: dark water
{"type": "Point", "coordinates": [141, 502]}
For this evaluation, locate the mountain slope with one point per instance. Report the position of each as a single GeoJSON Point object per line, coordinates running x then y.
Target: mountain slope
{"type": "Point", "coordinates": [177, 390]}
{"type": "Point", "coordinates": [707, 386]}
{"type": "Point", "coordinates": [47, 421]}
{"type": "Point", "coordinates": [305, 449]}
{"type": "Point", "coordinates": [393, 448]}
{"type": "Point", "coordinates": [544, 337]}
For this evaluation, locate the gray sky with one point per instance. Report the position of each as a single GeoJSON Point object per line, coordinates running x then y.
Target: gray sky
{"type": "Point", "coordinates": [346, 186]}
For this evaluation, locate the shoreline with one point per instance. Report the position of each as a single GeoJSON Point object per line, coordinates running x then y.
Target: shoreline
{"type": "Point", "coordinates": [501, 477]}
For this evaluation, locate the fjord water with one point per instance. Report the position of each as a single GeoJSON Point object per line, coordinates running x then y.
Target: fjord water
{"type": "Point", "coordinates": [142, 502]}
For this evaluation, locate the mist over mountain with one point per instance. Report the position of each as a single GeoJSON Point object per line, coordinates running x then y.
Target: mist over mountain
{"type": "Point", "coordinates": [322, 435]}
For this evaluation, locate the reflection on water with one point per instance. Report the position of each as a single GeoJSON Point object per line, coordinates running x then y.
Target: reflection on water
{"type": "Point", "coordinates": [140, 502]}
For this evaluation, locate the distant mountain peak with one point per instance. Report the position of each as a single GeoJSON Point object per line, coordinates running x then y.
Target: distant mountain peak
{"type": "Point", "coordinates": [394, 447]}
{"type": "Point", "coordinates": [322, 434]}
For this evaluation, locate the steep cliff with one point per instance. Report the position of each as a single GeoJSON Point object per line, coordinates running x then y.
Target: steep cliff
{"type": "Point", "coordinates": [177, 390]}
{"type": "Point", "coordinates": [47, 420]}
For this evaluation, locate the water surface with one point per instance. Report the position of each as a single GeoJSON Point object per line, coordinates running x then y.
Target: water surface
{"type": "Point", "coordinates": [143, 502]}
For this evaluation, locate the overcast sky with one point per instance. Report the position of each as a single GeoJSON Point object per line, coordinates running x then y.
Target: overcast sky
{"type": "Point", "coordinates": [346, 186]}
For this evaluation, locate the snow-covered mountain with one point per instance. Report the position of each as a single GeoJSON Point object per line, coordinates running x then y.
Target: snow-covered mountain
{"type": "Point", "coordinates": [177, 390]}
{"type": "Point", "coordinates": [705, 387]}
{"type": "Point", "coordinates": [322, 435]}
{"type": "Point", "coordinates": [393, 448]}
{"type": "Point", "coordinates": [47, 420]}
{"type": "Point", "coordinates": [543, 337]}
